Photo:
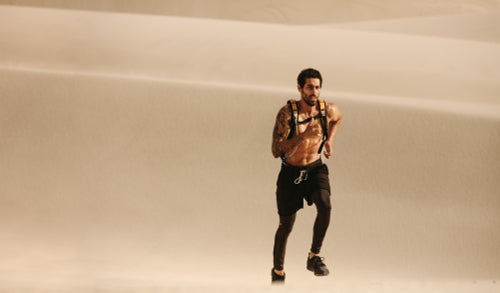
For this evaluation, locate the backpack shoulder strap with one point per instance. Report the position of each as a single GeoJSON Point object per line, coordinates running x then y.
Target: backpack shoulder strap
{"type": "Point", "coordinates": [294, 121]}
{"type": "Point", "coordinates": [294, 125]}
{"type": "Point", "coordinates": [324, 123]}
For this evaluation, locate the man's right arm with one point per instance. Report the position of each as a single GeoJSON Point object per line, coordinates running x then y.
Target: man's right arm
{"type": "Point", "coordinates": [280, 145]}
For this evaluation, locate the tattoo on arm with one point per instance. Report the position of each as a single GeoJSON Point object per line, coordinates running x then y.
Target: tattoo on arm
{"type": "Point", "coordinates": [281, 145]}
{"type": "Point", "coordinates": [279, 133]}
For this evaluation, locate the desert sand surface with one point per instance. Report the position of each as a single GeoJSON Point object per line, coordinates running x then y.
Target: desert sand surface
{"type": "Point", "coordinates": [481, 27]}
{"type": "Point", "coordinates": [290, 12]}
{"type": "Point", "coordinates": [135, 146]}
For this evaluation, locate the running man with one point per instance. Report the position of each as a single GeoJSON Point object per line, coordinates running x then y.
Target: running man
{"type": "Point", "coordinates": [301, 132]}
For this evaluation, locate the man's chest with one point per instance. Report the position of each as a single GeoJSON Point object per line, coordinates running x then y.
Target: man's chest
{"type": "Point", "coordinates": [305, 122]}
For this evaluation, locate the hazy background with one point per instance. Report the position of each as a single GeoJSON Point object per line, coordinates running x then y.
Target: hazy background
{"type": "Point", "coordinates": [135, 144]}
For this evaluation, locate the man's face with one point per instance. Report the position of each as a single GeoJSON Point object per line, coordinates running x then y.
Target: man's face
{"type": "Point", "coordinates": [311, 90]}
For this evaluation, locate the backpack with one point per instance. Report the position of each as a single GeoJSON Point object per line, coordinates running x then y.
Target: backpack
{"type": "Point", "coordinates": [294, 123]}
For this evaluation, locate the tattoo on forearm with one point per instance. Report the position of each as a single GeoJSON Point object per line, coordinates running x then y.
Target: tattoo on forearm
{"type": "Point", "coordinates": [279, 133]}
{"type": "Point", "coordinates": [281, 130]}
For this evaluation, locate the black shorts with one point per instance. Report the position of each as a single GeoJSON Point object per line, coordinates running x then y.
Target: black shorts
{"type": "Point", "coordinates": [298, 183]}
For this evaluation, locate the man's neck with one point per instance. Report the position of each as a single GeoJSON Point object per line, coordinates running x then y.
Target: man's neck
{"type": "Point", "coordinates": [306, 109]}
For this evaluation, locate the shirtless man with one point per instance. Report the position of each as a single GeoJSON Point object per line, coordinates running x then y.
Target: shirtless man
{"type": "Point", "coordinates": [303, 175]}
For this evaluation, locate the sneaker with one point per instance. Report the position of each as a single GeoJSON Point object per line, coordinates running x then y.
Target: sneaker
{"type": "Point", "coordinates": [317, 266]}
{"type": "Point", "coordinates": [277, 279]}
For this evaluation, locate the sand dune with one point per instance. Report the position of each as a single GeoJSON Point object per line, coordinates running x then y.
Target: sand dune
{"type": "Point", "coordinates": [97, 181]}
{"type": "Point", "coordinates": [135, 153]}
{"type": "Point", "coordinates": [250, 54]}
{"type": "Point", "coordinates": [278, 11]}
{"type": "Point", "coordinates": [481, 27]}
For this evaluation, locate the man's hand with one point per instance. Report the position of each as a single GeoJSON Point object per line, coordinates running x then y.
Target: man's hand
{"type": "Point", "coordinates": [328, 149]}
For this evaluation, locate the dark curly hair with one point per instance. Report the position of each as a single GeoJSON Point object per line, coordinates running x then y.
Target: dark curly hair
{"type": "Point", "coordinates": [309, 73]}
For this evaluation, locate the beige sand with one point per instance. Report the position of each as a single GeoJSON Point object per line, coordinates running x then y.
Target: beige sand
{"type": "Point", "coordinates": [278, 11]}
{"type": "Point", "coordinates": [135, 155]}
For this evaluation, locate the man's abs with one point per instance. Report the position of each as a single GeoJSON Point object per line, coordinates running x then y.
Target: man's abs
{"type": "Point", "coordinates": [306, 153]}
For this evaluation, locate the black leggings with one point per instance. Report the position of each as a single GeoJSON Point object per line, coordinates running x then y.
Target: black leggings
{"type": "Point", "coordinates": [321, 199]}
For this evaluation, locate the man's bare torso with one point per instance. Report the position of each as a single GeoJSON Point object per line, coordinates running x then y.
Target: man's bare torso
{"type": "Point", "coordinates": [302, 148]}
{"type": "Point", "coordinates": [307, 151]}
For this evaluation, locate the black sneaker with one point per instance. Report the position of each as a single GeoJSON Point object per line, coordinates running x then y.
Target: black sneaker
{"type": "Point", "coordinates": [317, 266]}
{"type": "Point", "coordinates": [277, 279]}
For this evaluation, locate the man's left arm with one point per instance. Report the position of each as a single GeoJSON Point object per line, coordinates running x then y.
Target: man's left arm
{"type": "Point", "coordinates": [333, 117]}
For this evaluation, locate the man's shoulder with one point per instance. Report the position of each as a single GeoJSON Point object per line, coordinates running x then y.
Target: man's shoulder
{"type": "Point", "coordinates": [286, 109]}
{"type": "Point", "coordinates": [333, 111]}
{"type": "Point", "coordinates": [331, 106]}
{"type": "Point", "coordinates": [328, 102]}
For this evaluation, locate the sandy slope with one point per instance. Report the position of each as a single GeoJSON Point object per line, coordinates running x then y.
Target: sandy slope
{"type": "Point", "coordinates": [109, 183]}
{"type": "Point", "coordinates": [249, 53]}
{"type": "Point", "coordinates": [105, 182]}
{"type": "Point", "coordinates": [278, 11]}
{"type": "Point", "coordinates": [482, 27]}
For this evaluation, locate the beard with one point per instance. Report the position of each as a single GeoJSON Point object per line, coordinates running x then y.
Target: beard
{"type": "Point", "coordinates": [311, 103]}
